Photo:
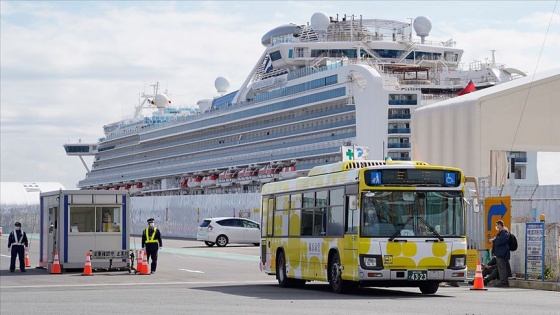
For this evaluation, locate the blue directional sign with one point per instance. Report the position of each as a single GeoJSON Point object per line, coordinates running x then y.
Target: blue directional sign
{"type": "Point", "coordinates": [496, 208]}
{"type": "Point", "coordinates": [375, 178]}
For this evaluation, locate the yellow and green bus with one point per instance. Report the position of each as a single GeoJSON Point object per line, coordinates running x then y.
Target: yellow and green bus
{"type": "Point", "coordinates": [366, 223]}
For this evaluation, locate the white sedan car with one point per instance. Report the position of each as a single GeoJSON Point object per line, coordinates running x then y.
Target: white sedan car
{"type": "Point", "coordinates": [225, 230]}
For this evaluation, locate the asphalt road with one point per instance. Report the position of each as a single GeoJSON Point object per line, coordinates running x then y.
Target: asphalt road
{"type": "Point", "coordinates": [195, 279]}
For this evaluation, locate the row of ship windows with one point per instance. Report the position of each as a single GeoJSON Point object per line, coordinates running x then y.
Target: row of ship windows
{"type": "Point", "coordinates": [206, 154]}
{"type": "Point", "coordinates": [176, 166]}
{"type": "Point", "coordinates": [252, 137]}
{"type": "Point", "coordinates": [329, 154]}
{"type": "Point", "coordinates": [287, 104]}
{"type": "Point", "coordinates": [298, 88]}
{"type": "Point", "coordinates": [207, 151]}
{"type": "Point", "coordinates": [245, 126]}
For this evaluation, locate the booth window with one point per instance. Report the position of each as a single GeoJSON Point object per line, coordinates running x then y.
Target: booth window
{"type": "Point", "coordinates": [82, 219]}
{"type": "Point", "coordinates": [108, 219]}
{"type": "Point", "coordinates": [95, 219]}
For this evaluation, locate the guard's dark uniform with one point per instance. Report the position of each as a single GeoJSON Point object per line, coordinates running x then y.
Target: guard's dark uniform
{"type": "Point", "coordinates": [151, 240]}
{"type": "Point", "coordinates": [17, 242]}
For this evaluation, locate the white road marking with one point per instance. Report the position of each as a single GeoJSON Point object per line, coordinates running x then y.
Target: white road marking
{"type": "Point", "coordinates": [131, 284]}
{"type": "Point", "coordinates": [6, 256]}
{"type": "Point", "coordinates": [195, 271]}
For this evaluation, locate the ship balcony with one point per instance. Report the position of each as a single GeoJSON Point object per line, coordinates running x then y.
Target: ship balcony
{"type": "Point", "coordinates": [399, 130]}
{"type": "Point", "coordinates": [401, 158]}
{"type": "Point", "coordinates": [399, 116]}
{"type": "Point", "coordinates": [403, 102]}
{"type": "Point", "coordinates": [398, 145]}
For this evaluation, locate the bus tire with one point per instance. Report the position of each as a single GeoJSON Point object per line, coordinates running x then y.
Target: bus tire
{"type": "Point", "coordinates": [430, 287]}
{"type": "Point", "coordinates": [335, 274]}
{"type": "Point", "coordinates": [281, 272]}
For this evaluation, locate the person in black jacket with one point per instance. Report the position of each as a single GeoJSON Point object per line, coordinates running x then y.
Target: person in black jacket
{"type": "Point", "coordinates": [18, 243]}
{"type": "Point", "coordinates": [151, 243]}
{"type": "Point", "coordinates": [501, 251]}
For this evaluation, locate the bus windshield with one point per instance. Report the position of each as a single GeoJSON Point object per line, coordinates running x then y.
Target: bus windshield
{"type": "Point", "coordinates": [412, 213]}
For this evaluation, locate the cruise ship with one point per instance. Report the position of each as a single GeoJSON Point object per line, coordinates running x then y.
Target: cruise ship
{"type": "Point", "coordinates": [335, 88]}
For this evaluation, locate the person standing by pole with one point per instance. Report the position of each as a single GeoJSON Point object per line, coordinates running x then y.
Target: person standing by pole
{"type": "Point", "coordinates": [18, 243]}
{"type": "Point", "coordinates": [151, 243]}
{"type": "Point", "coordinates": [501, 251]}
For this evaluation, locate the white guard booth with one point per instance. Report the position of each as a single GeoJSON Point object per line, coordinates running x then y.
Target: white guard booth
{"type": "Point", "coordinates": [73, 222]}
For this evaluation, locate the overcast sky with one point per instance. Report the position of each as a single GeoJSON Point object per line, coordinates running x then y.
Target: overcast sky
{"type": "Point", "coordinates": [69, 67]}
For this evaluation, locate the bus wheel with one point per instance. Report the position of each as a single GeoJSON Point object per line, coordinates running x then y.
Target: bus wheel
{"type": "Point", "coordinates": [281, 272]}
{"type": "Point", "coordinates": [335, 274]}
{"type": "Point", "coordinates": [429, 287]}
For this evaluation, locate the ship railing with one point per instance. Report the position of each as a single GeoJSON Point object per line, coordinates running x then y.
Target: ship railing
{"type": "Point", "coordinates": [176, 169]}
{"type": "Point", "coordinates": [265, 145]}
{"type": "Point", "coordinates": [337, 111]}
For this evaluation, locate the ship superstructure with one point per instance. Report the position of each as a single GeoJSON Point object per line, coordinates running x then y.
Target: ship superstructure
{"type": "Point", "coordinates": [333, 83]}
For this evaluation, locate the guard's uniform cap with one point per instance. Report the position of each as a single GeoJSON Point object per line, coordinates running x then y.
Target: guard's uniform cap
{"type": "Point", "coordinates": [17, 224]}
{"type": "Point", "coordinates": [150, 220]}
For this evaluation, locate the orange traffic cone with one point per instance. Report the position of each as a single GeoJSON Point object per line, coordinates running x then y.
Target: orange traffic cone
{"type": "Point", "coordinates": [139, 262]}
{"type": "Point", "coordinates": [27, 262]}
{"type": "Point", "coordinates": [478, 281]}
{"type": "Point", "coordinates": [145, 270]}
{"type": "Point", "coordinates": [87, 266]}
{"type": "Point", "coordinates": [0, 231]}
{"type": "Point", "coordinates": [56, 264]}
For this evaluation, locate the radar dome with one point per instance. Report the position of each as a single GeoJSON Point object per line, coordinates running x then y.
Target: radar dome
{"type": "Point", "coordinates": [320, 21]}
{"type": "Point", "coordinates": [422, 26]}
{"type": "Point", "coordinates": [162, 101]}
{"type": "Point", "coordinates": [204, 105]}
{"type": "Point", "coordinates": [221, 84]}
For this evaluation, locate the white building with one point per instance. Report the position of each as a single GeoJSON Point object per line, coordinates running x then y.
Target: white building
{"type": "Point", "coordinates": [480, 131]}
{"type": "Point", "coordinates": [19, 201]}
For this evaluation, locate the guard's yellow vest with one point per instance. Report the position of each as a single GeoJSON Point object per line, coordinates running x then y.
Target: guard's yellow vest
{"type": "Point", "coordinates": [151, 239]}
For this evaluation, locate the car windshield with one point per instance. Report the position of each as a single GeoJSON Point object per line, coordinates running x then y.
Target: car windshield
{"type": "Point", "coordinates": [426, 214]}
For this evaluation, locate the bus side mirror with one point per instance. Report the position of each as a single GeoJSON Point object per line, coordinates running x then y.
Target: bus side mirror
{"type": "Point", "coordinates": [352, 202]}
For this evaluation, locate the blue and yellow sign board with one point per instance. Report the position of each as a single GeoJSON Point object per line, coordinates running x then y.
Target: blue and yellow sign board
{"type": "Point", "coordinates": [496, 208]}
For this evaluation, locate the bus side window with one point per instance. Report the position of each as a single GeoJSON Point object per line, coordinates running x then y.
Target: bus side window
{"type": "Point", "coordinates": [351, 214]}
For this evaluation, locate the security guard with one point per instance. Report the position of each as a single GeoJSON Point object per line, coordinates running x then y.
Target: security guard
{"type": "Point", "coordinates": [151, 242]}
{"type": "Point", "coordinates": [18, 243]}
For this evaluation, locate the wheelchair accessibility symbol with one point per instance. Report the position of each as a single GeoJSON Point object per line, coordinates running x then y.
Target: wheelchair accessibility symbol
{"type": "Point", "coordinates": [450, 178]}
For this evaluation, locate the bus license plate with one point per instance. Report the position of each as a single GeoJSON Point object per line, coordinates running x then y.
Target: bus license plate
{"type": "Point", "coordinates": [417, 275]}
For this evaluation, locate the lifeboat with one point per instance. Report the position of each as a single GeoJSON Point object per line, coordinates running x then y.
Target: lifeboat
{"type": "Point", "coordinates": [269, 173]}
{"type": "Point", "coordinates": [136, 189]}
{"type": "Point", "coordinates": [227, 177]}
{"type": "Point", "coordinates": [209, 180]}
{"type": "Point", "coordinates": [248, 175]}
{"type": "Point", "coordinates": [288, 172]}
{"type": "Point", "coordinates": [194, 181]}
{"type": "Point", "coordinates": [184, 182]}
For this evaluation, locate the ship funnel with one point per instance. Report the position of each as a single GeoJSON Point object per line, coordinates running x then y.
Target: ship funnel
{"type": "Point", "coordinates": [422, 27]}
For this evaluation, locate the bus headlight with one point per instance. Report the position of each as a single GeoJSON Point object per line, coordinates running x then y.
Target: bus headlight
{"type": "Point", "coordinates": [457, 262]}
{"type": "Point", "coordinates": [371, 262]}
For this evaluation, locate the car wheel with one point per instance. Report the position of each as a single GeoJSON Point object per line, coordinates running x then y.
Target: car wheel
{"type": "Point", "coordinates": [209, 244]}
{"type": "Point", "coordinates": [335, 275]}
{"type": "Point", "coordinates": [429, 287]}
{"type": "Point", "coordinates": [221, 241]}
